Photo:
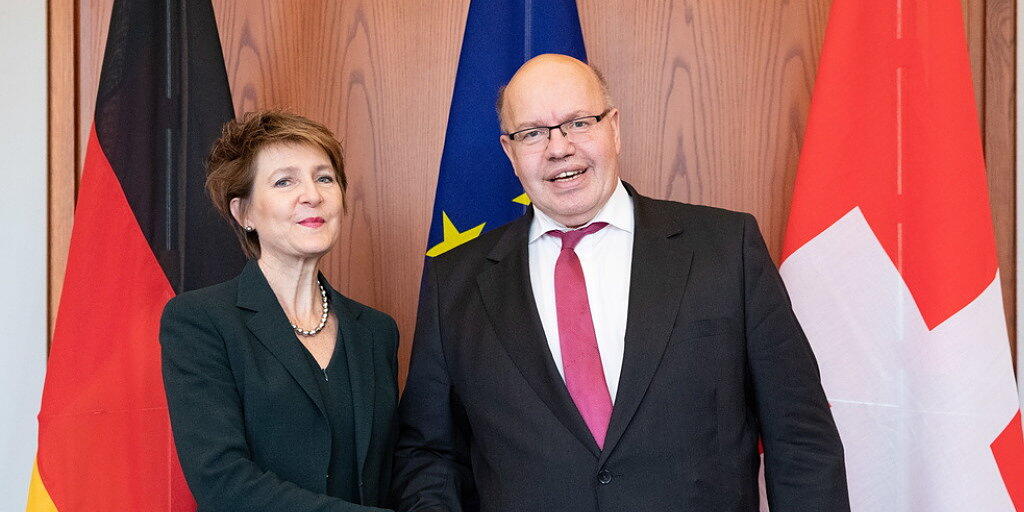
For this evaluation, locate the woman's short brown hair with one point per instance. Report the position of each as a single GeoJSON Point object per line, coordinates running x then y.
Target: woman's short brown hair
{"type": "Point", "coordinates": [230, 167]}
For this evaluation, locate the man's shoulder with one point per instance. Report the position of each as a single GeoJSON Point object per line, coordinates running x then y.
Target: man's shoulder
{"type": "Point", "coordinates": [690, 210]}
{"type": "Point", "coordinates": [692, 218]}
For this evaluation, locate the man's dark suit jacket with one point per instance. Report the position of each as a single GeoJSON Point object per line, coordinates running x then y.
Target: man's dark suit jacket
{"type": "Point", "coordinates": [714, 360]}
{"type": "Point", "coordinates": [247, 415]}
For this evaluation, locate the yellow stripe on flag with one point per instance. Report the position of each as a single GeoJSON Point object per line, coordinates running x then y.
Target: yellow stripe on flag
{"type": "Point", "coordinates": [38, 499]}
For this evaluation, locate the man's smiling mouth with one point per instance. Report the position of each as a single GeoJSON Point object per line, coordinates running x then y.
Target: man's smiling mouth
{"type": "Point", "coordinates": [567, 175]}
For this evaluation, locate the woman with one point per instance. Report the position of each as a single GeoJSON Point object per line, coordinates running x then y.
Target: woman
{"type": "Point", "coordinates": [281, 391]}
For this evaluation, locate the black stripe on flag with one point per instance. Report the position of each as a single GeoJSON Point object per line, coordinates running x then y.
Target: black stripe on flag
{"type": "Point", "coordinates": [162, 100]}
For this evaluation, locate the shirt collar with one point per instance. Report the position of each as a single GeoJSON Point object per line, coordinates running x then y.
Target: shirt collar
{"type": "Point", "coordinates": [617, 212]}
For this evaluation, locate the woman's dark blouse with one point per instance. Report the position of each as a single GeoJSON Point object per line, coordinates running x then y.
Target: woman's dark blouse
{"type": "Point", "coordinates": [336, 390]}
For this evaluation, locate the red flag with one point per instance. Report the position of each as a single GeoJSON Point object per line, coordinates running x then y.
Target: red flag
{"type": "Point", "coordinates": [142, 231]}
{"type": "Point", "coordinates": [890, 259]}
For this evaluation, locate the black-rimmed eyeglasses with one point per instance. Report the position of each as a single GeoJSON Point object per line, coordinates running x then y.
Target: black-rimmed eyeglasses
{"type": "Point", "coordinates": [537, 134]}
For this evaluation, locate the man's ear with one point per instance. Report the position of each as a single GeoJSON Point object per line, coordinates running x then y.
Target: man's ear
{"type": "Point", "coordinates": [613, 118]}
{"type": "Point", "coordinates": [506, 144]}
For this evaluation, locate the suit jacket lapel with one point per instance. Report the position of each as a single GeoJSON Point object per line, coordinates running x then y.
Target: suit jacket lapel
{"type": "Point", "coordinates": [508, 298]}
{"type": "Point", "coordinates": [358, 342]}
{"type": "Point", "coordinates": [270, 325]}
{"type": "Point", "coordinates": [661, 265]}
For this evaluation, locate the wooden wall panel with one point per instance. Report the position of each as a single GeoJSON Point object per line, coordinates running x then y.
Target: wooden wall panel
{"type": "Point", "coordinates": [93, 23]}
{"type": "Point", "coordinates": [359, 68]}
{"type": "Point", "coordinates": [1000, 133]}
{"type": "Point", "coordinates": [62, 182]}
{"type": "Point", "coordinates": [714, 98]}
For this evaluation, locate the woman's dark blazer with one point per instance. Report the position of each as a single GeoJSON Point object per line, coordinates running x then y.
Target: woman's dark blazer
{"type": "Point", "coordinates": [247, 415]}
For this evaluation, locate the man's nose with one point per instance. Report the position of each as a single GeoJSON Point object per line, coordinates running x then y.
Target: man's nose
{"type": "Point", "coordinates": [559, 145]}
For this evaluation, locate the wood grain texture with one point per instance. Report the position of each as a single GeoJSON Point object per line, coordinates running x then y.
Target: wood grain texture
{"type": "Point", "coordinates": [93, 23]}
{"type": "Point", "coordinates": [974, 27]}
{"type": "Point", "coordinates": [359, 67]}
{"type": "Point", "coordinates": [714, 98]}
{"type": "Point", "coordinates": [999, 132]}
{"type": "Point", "coordinates": [713, 95]}
{"type": "Point", "coordinates": [61, 139]}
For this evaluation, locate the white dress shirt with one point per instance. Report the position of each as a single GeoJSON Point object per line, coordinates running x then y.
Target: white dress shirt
{"type": "Point", "coordinates": [606, 257]}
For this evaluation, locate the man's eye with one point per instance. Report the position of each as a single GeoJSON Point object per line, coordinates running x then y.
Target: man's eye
{"type": "Point", "coordinates": [532, 134]}
{"type": "Point", "coordinates": [581, 123]}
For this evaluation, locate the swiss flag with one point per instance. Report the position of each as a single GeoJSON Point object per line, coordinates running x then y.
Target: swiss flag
{"type": "Point", "coordinates": [890, 260]}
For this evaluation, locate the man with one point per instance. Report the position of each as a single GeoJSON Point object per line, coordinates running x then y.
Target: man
{"type": "Point", "coordinates": [608, 351]}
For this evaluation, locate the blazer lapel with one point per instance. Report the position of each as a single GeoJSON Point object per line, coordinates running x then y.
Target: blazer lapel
{"type": "Point", "coordinates": [661, 265]}
{"type": "Point", "coordinates": [508, 298]}
{"type": "Point", "coordinates": [358, 342]}
{"type": "Point", "coordinates": [270, 325]}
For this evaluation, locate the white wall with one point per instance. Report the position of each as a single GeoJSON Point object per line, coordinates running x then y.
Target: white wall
{"type": "Point", "coordinates": [23, 228]}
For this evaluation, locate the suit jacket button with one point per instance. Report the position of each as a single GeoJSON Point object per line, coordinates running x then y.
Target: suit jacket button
{"type": "Point", "coordinates": [604, 476]}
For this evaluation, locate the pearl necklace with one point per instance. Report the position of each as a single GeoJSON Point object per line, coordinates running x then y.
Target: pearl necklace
{"type": "Point", "coordinates": [323, 317]}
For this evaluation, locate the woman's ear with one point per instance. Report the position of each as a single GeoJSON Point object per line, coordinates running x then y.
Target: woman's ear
{"type": "Point", "coordinates": [238, 211]}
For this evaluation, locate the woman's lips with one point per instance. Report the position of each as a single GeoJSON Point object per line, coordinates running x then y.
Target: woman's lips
{"type": "Point", "coordinates": [312, 222]}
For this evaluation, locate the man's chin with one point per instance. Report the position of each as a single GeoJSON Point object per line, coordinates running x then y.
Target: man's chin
{"type": "Point", "coordinates": [573, 215]}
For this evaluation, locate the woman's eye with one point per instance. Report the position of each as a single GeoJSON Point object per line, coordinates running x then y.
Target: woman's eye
{"type": "Point", "coordinates": [326, 179]}
{"type": "Point", "coordinates": [283, 182]}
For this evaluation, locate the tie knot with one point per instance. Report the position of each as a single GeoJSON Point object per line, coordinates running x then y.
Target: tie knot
{"type": "Point", "coordinates": [571, 238]}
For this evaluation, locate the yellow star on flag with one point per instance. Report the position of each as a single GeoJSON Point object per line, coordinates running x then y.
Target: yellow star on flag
{"type": "Point", "coordinates": [452, 236]}
{"type": "Point", "coordinates": [522, 199]}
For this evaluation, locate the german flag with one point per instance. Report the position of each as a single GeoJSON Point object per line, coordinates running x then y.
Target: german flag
{"type": "Point", "coordinates": [143, 231]}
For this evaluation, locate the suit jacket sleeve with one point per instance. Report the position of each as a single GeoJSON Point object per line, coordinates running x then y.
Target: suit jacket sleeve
{"type": "Point", "coordinates": [432, 458]}
{"type": "Point", "coordinates": [804, 465]}
{"type": "Point", "coordinates": [208, 423]}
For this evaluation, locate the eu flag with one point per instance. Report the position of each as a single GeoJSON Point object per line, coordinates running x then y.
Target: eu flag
{"type": "Point", "coordinates": [476, 188]}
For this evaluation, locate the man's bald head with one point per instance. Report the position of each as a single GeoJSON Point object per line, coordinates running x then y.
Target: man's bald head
{"type": "Point", "coordinates": [547, 66]}
{"type": "Point", "coordinates": [569, 172]}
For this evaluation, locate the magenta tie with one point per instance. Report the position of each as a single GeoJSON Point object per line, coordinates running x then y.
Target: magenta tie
{"type": "Point", "coordinates": [581, 359]}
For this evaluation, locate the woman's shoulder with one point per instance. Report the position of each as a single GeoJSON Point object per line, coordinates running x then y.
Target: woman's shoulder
{"type": "Point", "coordinates": [209, 299]}
{"type": "Point", "coordinates": [199, 318]}
{"type": "Point", "coordinates": [372, 316]}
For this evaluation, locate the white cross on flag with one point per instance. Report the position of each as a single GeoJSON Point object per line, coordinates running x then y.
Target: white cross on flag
{"type": "Point", "coordinates": [890, 260]}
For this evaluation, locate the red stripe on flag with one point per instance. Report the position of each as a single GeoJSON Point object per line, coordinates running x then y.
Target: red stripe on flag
{"type": "Point", "coordinates": [893, 129]}
{"type": "Point", "coordinates": [1008, 450]}
{"type": "Point", "coordinates": [104, 433]}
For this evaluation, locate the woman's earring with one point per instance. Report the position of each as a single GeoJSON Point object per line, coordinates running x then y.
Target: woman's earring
{"type": "Point", "coordinates": [248, 228]}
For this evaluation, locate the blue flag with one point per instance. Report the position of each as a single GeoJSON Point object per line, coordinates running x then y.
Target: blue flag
{"type": "Point", "coordinates": [476, 188]}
